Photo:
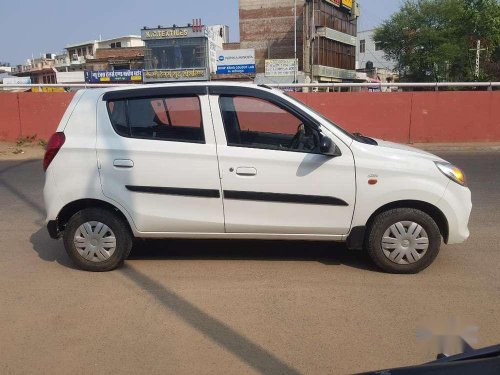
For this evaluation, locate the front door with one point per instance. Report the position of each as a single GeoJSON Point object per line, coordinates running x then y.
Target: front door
{"type": "Point", "coordinates": [157, 156]}
{"type": "Point", "coordinates": [274, 179]}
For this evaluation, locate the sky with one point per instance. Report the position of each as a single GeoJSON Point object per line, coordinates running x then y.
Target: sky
{"type": "Point", "coordinates": [39, 27]}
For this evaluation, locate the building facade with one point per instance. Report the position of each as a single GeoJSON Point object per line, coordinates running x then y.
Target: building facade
{"type": "Point", "coordinates": [371, 60]}
{"type": "Point", "coordinates": [186, 53]}
{"type": "Point", "coordinates": [40, 70]}
{"type": "Point", "coordinates": [370, 53]}
{"type": "Point", "coordinates": [77, 55]}
{"type": "Point", "coordinates": [326, 35]}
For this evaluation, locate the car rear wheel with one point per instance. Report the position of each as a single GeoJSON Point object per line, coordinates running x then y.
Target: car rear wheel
{"type": "Point", "coordinates": [97, 240]}
{"type": "Point", "coordinates": [403, 240]}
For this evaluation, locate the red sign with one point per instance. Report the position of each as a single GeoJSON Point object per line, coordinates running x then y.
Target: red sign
{"type": "Point", "coordinates": [334, 2]}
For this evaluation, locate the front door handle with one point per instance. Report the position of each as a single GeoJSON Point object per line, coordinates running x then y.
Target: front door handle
{"type": "Point", "coordinates": [123, 163]}
{"type": "Point", "coordinates": [246, 171]}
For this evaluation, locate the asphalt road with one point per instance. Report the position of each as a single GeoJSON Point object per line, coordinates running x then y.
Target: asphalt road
{"type": "Point", "coordinates": [185, 307]}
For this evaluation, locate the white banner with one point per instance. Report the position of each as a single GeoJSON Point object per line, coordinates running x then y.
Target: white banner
{"type": "Point", "coordinates": [281, 67]}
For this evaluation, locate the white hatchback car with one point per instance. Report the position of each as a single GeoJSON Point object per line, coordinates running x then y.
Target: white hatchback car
{"type": "Point", "coordinates": [234, 161]}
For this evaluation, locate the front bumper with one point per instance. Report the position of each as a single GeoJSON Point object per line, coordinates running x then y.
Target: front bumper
{"type": "Point", "coordinates": [456, 204]}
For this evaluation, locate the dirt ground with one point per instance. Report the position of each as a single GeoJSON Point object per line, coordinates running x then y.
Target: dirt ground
{"type": "Point", "coordinates": [22, 150]}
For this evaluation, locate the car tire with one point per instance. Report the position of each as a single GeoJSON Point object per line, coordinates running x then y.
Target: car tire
{"type": "Point", "coordinates": [403, 241]}
{"type": "Point", "coordinates": [97, 240]}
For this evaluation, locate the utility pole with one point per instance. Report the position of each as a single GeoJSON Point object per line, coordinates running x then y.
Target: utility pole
{"type": "Point", "coordinates": [295, 60]}
{"type": "Point", "coordinates": [478, 57]}
{"type": "Point", "coordinates": [478, 50]}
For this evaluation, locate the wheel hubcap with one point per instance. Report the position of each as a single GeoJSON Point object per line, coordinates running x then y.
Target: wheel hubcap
{"type": "Point", "coordinates": [95, 241]}
{"type": "Point", "coordinates": [405, 242]}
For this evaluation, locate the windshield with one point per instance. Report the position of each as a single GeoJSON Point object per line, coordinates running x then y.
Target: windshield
{"type": "Point", "coordinates": [355, 136]}
{"type": "Point", "coordinates": [350, 135]}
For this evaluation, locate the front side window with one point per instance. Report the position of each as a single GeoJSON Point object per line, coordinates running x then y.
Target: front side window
{"type": "Point", "coordinates": [160, 118]}
{"type": "Point", "coordinates": [256, 123]}
{"type": "Point", "coordinates": [362, 46]}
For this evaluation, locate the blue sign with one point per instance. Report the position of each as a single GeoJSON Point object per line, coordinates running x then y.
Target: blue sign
{"type": "Point", "coordinates": [235, 69]}
{"type": "Point", "coordinates": [108, 76]}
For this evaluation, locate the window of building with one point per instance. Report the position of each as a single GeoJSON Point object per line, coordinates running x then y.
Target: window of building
{"type": "Point", "coordinates": [116, 45]}
{"type": "Point", "coordinates": [362, 46]}
{"type": "Point", "coordinates": [378, 46]}
{"type": "Point", "coordinates": [176, 119]}
{"type": "Point", "coordinates": [256, 123]}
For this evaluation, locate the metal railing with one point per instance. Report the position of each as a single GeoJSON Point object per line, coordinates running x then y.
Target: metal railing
{"type": "Point", "coordinates": [398, 85]}
{"type": "Point", "coordinates": [323, 86]}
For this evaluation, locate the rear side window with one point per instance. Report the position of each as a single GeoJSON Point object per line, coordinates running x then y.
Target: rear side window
{"type": "Point", "coordinates": [175, 119]}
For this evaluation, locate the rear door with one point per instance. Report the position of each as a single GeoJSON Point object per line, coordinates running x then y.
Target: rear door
{"type": "Point", "coordinates": [274, 179]}
{"type": "Point", "coordinates": [157, 157]}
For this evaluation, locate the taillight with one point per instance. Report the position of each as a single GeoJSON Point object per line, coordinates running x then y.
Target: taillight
{"type": "Point", "coordinates": [53, 146]}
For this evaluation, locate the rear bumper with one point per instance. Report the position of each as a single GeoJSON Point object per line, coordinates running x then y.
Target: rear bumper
{"type": "Point", "coordinates": [53, 229]}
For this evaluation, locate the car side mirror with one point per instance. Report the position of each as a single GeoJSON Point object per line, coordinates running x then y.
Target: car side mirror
{"type": "Point", "coordinates": [328, 148]}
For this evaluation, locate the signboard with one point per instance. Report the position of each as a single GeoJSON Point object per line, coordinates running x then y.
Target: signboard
{"type": "Point", "coordinates": [17, 81]}
{"type": "Point", "coordinates": [105, 76]}
{"type": "Point", "coordinates": [47, 89]}
{"type": "Point", "coordinates": [173, 33]}
{"type": "Point", "coordinates": [281, 67]}
{"type": "Point", "coordinates": [175, 75]}
{"type": "Point", "coordinates": [347, 4]}
{"type": "Point", "coordinates": [334, 2]}
{"type": "Point", "coordinates": [236, 61]}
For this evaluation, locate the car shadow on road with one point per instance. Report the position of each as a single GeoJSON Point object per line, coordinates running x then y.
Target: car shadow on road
{"type": "Point", "coordinates": [49, 249]}
{"type": "Point", "coordinates": [330, 254]}
{"type": "Point", "coordinates": [327, 253]}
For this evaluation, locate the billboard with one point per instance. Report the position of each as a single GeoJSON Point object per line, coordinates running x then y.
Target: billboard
{"type": "Point", "coordinates": [17, 81]}
{"type": "Point", "coordinates": [347, 4]}
{"type": "Point", "coordinates": [334, 2]}
{"type": "Point", "coordinates": [236, 61]}
{"type": "Point", "coordinates": [173, 33]}
{"type": "Point", "coordinates": [113, 76]}
{"type": "Point", "coordinates": [175, 75]}
{"type": "Point", "coordinates": [281, 67]}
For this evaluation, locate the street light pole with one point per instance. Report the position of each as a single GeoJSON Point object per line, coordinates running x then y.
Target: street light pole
{"type": "Point", "coordinates": [295, 60]}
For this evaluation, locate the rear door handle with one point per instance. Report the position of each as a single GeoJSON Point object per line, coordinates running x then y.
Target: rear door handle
{"type": "Point", "coordinates": [246, 171]}
{"type": "Point", "coordinates": [123, 163]}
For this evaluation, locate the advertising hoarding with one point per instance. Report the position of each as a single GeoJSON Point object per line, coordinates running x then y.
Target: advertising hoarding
{"type": "Point", "coordinates": [236, 61]}
{"type": "Point", "coordinates": [17, 81]}
{"type": "Point", "coordinates": [347, 4]}
{"type": "Point", "coordinates": [281, 67]}
{"type": "Point", "coordinates": [334, 2]}
{"type": "Point", "coordinates": [173, 33]}
{"type": "Point", "coordinates": [175, 75]}
{"type": "Point", "coordinates": [113, 76]}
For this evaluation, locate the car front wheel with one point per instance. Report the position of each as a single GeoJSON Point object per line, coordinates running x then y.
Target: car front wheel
{"type": "Point", "coordinates": [403, 240]}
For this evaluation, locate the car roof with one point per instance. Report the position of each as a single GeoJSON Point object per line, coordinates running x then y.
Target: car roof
{"type": "Point", "coordinates": [184, 84]}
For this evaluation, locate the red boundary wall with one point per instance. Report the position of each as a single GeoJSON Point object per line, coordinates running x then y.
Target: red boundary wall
{"type": "Point", "coordinates": [420, 117]}
{"type": "Point", "coordinates": [31, 114]}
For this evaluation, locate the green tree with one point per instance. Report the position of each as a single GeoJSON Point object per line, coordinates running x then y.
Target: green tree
{"type": "Point", "coordinates": [435, 40]}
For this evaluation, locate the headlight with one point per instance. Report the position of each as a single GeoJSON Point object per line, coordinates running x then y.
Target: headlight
{"type": "Point", "coordinates": [452, 172]}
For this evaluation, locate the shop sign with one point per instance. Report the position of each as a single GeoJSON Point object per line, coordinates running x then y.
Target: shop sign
{"type": "Point", "coordinates": [334, 2]}
{"type": "Point", "coordinates": [236, 61]}
{"type": "Point", "coordinates": [281, 67]}
{"type": "Point", "coordinates": [111, 76]}
{"type": "Point", "coordinates": [347, 4]}
{"type": "Point", "coordinates": [175, 75]}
